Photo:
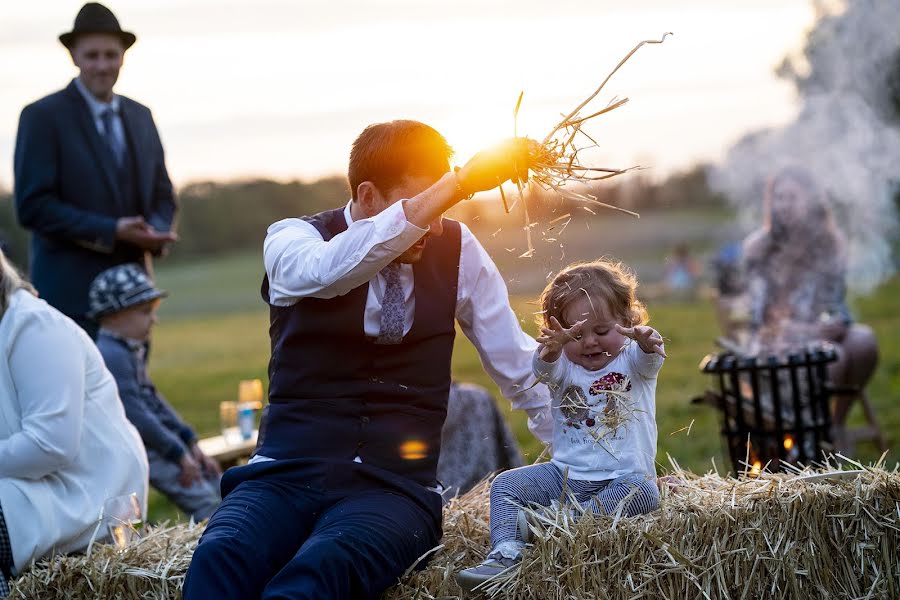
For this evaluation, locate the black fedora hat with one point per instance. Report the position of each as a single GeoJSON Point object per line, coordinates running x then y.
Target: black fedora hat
{"type": "Point", "coordinates": [96, 18]}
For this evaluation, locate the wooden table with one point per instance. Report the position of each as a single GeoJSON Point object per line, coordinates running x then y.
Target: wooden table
{"type": "Point", "coordinates": [229, 453]}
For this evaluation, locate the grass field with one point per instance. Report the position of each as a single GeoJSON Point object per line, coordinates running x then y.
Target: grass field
{"type": "Point", "coordinates": [214, 332]}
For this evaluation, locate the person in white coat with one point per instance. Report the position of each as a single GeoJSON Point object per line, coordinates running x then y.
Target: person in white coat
{"type": "Point", "coordinates": [65, 443]}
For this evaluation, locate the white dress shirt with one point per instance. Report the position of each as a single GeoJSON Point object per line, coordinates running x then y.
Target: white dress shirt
{"type": "Point", "coordinates": [300, 264]}
{"type": "Point", "coordinates": [98, 108]}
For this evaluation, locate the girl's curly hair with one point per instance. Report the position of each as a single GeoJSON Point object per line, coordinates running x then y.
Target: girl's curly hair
{"type": "Point", "coordinates": [604, 280]}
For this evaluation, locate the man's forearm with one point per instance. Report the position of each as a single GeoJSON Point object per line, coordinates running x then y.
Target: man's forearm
{"type": "Point", "coordinates": [423, 209]}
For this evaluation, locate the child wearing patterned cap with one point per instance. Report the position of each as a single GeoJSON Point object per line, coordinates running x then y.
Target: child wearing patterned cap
{"type": "Point", "coordinates": [600, 361]}
{"type": "Point", "coordinates": [124, 301]}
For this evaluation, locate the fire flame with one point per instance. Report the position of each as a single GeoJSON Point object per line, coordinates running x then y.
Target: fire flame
{"type": "Point", "coordinates": [788, 442]}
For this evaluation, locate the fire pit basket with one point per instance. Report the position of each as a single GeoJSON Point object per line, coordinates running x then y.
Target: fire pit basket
{"type": "Point", "coordinates": [775, 409]}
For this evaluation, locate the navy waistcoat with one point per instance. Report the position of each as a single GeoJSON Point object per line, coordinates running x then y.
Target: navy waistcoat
{"type": "Point", "coordinates": [335, 393]}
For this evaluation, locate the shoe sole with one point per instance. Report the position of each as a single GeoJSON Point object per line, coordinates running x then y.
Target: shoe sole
{"type": "Point", "coordinates": [522, 526]}
{"type": "Point", "coordinates": [468, 582]}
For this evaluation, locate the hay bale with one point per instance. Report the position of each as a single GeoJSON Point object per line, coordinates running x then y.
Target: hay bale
{"type": "Point", "coordinates": [774, 536]}
{"type": "Point", "coordinates": [152, 567]}
{"type": "Point", "coordinates": [714, 537]}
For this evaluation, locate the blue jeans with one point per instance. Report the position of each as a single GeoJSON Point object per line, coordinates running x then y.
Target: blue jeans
{"type": "Point", "coordinates": [312, 529]}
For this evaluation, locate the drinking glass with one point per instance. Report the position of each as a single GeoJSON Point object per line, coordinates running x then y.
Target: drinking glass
{"type": "Point", "coordinates": [250, 391]}
{"type": "Point", "coordinates": [123, 518]}
{"type": "Point", "coordinates": [228, 414]}
{"type": "Point", "coordinates": [250, 395]}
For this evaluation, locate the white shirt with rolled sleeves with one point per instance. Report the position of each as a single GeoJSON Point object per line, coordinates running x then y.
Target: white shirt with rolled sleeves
{"type": "Point", "coordinates": [300, 264]}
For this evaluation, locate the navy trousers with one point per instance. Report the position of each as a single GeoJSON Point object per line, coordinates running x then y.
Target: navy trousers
{"type": "Point", "coordinates": [312, 529]}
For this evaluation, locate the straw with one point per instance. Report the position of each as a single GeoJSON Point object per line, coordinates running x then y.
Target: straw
{"type": "Point", "coordinates": [771, 536]}
{"type": "Point", "coordinates": [555, 165]}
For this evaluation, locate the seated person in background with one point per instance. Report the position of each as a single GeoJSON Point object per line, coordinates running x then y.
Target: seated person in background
{"type": "Point", "coordinates": [124, 301]}
{"type": "Point", "coordinates": [682, 272]}
{"type": "Point", "coordinates": [732, 310]}
{"type": "Point", "coordinates": [795, 267]}
{"type": "Point", "coordinates": [65, 444]}
{"type": "Point", "coordinates": [475, 440]}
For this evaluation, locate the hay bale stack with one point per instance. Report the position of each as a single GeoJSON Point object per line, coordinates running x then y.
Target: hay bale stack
{"type": "Point", "coordinates": [775, 536]}
{"type": "Point", "coordinates": [714, 537]}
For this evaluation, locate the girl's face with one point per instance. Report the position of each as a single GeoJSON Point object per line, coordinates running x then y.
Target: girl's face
{"type": "Point", "coordinates": [599, 342]}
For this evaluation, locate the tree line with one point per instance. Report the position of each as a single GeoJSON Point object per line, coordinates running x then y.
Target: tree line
{"type": "Point", "coordinates": [221, 217]}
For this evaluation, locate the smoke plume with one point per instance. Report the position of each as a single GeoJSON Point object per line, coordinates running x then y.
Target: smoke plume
{"type": "Point", "coordinates": [847, 133]}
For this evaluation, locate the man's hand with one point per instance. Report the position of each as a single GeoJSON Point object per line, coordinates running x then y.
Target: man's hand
{"type": "Point", "coordinates": [484, 171]}
{"type": "Point", "coordinates": [210, 467]}
{"type": "Point", "coordinates": [190, 470]}
{"type": "Point", "coordinates": [135, 230]}
{"type": "Point", "coordinates": [489, 168]}
{"type": "Point", "coordinates": [553, 339]}
{"type": "Point", "coordinates": [646, 337]}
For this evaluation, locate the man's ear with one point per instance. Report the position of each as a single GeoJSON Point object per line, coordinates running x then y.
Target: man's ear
{"type": "Point", "coordinates": [369, 198]}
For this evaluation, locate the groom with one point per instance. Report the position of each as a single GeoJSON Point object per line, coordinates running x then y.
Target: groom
{"type": "Point", "coordinates": [341, 496]}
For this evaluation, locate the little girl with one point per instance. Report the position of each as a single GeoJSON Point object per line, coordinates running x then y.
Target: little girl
{"type": "Point", "coordinates": [600, 361]}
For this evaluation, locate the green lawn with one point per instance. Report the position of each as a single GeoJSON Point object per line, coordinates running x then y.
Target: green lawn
{"type": "Point", "coordinates": [214, 332]}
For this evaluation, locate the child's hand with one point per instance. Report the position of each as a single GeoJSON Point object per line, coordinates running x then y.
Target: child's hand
{"type": "Point", "coordinates": [646, 338]}
{"type": "Point", "coordinates": [554, 338]}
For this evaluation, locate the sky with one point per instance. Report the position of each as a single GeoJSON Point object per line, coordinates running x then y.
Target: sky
{"type": "Point", "coordinates": [280, 88]}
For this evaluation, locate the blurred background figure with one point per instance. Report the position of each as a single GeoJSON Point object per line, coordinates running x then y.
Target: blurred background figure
{"type": "Point", "coordinates": [90, 178]}
{"type": "Point", "coordinates": [682, 272]}
{"type": "Point", "coordinates": [124, 301]}
{"type": "Point", "coordinates": [795, 266]}
{"type": "Point", "coordinates": [65, 444]}
{"type": "Point", "coordinates": [732, 308]}
{"type": "Point", "coordinates": [475, 440]}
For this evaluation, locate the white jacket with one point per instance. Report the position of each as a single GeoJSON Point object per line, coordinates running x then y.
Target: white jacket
{"type": "Point", "coordinates": [65, 444]}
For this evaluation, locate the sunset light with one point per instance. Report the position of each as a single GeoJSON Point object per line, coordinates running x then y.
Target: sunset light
{"type": "Point", "coordinates": [280, 88]}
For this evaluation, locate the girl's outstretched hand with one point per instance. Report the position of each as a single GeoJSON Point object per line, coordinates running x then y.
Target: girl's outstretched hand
{"type": "Point", "coordinates": [646, 337]}
{"type": "Point", "coordinates": [555, 337]}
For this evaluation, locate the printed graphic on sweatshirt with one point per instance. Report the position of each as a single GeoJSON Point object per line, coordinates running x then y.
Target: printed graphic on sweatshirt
{"type": "Point", "coordinates": [602, 413]}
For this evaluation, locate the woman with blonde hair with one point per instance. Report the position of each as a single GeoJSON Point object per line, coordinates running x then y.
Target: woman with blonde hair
{"type": "Point", "coordinates": [65, 444]}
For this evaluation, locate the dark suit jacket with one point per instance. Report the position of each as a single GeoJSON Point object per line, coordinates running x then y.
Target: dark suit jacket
{"type": "Point", "coordinates": [67, 194]}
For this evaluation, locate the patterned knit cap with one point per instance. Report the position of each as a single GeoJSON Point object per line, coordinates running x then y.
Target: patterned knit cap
{"type": "Point", "coordinates": [120, 287]}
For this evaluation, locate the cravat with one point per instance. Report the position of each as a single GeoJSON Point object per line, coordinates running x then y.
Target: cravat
{"type": "Point", "coordinates": [109, 135]}
{"type": "Point", "coordinates": [392, 307]}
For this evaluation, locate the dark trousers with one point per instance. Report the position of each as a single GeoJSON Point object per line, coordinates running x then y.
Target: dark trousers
{"type": "Point", "coordinates": [312, 529]}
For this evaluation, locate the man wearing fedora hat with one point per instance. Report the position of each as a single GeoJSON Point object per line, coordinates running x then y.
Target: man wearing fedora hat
{"type": "Point", "coordinates": [90, 176]}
